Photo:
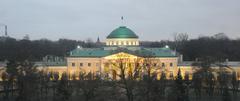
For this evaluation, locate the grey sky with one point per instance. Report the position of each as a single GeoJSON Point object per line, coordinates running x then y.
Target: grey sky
{"type": "Point", "coordinates": [150, 19]}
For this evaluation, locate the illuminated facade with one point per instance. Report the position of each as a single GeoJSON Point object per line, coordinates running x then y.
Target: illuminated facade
{"type": "Point", "coordinates": [122, 47]}
{"type": "Point", "coordinates": [121, 44]}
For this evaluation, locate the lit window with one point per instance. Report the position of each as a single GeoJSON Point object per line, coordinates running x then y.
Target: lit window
{"type": "Point", "coordinates": [129, 43]}
{"type": "Point", "coordinates": [81, 64]}
{"type": "Point", "coordinates": [125, 43]}
{"type": "Point", "coordinates": [89, 64]}
{"type": "Point", "coordinates": [137, 43]}
{"type": "Point", "coordinates": [73, 64]}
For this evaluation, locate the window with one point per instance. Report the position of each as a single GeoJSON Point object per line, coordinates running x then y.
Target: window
{"type": "Point", "coordinates": [106, 64]}
{"type": "Point", "coordinates": [186, 76]}
{"type": "Point", "coordinates": [163, 64]}
{"type": "Point", "coordinates": [155, 64]}
{"type": "Point", "coordinates": [73, 64]}
{"type": "Point", "coordinates": [171, 75]}
{"type": "Point", "coordinates": [81, 64]}
{"type": "Point", "coordinates": [171, 64]}
{"type": "Point", "coordinates": [97, 64]}
{"type": "Point", "coordinates": [133, 43]}
{"type": "Point", "coordinates": [137, 64]}
{"type": "Point", "coordinates": [125, 43]}
{"type": "Point", "coordinates": [137, 43]}
{"type": "Point", "coordinates": [89, 64]}
{"type": "Point", "coordinates": [129, 65]}
{"type": "Point", "coordinates": [119, 43]}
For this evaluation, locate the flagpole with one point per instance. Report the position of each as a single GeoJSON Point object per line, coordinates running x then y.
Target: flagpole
{"type": "Point", "coordinates": [122, 20]}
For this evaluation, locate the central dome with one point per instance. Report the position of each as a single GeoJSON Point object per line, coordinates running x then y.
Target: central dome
{"type": "Point", "coordinates": [122, 32]}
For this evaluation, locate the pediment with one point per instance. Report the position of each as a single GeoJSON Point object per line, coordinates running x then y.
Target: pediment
{"type": "Point", "coordinates": [121, 55]}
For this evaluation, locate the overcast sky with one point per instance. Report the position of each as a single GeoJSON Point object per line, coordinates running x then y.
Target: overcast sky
{"type": "Point", "coordinates": [149, 19]}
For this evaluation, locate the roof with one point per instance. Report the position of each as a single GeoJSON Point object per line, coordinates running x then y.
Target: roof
{"type": "Point", "coordinates": [230, 63]}
{"type": "Point", "coordinates": [51, 60]}
{"type": "Point", "coordinates": [122, 32]}
{"type": "Point", "coordinates": [42, 63]}
{"type": "Point", "coordinates": [141, 52]}
{"type": "Point", "coordinates": [94, 52]}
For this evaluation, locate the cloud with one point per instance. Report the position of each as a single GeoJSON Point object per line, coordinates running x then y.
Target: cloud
{"type": "Point", "coordinates": [150, 19]}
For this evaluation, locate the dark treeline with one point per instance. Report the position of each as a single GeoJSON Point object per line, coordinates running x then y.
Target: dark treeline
{"type": "Point", "coordinates": [19, 50]}
{"type": "Point", "coordinates": [218, 45]}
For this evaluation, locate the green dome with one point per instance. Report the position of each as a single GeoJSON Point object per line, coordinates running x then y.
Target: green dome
{"type": "Point", "coordinates": [122, 32]}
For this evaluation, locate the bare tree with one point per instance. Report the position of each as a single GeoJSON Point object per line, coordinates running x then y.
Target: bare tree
{"type": "Point", "coordinates": [150, 87]}
{"type": "Point", "coordinates": [180, 39]}
{"type": "Point", "coordinates": [235, 83]}
{"type": "Point", "coordinates": [28, 82]}
{"type": "Point", "coordinates": [4, 77]}
{"type": "Point", "coordinates": [128, 74]}
{"type": "Point", "coordinates": [88, 84]}
{"type": "Point", "coordinates": [12, 71]}
{"type": "Point", "coordinates": [64, 90]}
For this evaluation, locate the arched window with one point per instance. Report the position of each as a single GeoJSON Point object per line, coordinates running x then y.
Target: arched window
{"type": "Point", "coordinates": [171, 64]}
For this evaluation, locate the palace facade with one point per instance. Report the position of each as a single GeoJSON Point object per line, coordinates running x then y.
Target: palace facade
{"type": "Point", "coordinates": [122, 49]}
{"type": "Point", "coordinates": [122, 46]}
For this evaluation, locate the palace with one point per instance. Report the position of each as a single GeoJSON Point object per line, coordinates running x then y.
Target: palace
{"type": "Point", "coordinates": [122, 43]}
{"type": "Point", "coordinates": [122, 48]}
